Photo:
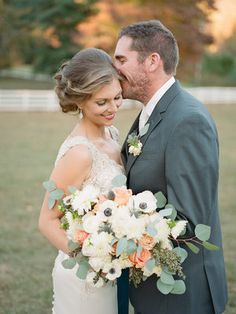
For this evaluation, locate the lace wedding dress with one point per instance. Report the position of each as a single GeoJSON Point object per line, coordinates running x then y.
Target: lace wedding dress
{"type": "Point", "coordinates": [72, 295]}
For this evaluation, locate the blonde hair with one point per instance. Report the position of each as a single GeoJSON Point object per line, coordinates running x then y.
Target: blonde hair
{"type": "Point", "coordinates": [82, 76]}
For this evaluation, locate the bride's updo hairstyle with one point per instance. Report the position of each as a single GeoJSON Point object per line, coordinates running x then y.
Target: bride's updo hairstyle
{"type": "Point", "coordinates": [82, 76]}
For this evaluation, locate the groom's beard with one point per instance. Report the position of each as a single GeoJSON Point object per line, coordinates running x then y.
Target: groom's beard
{"type": "Point", "coordinates": [136, 89]}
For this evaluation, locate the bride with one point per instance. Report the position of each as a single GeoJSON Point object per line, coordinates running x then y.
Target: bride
{"type": "Point", "coordinates": [88, 84]}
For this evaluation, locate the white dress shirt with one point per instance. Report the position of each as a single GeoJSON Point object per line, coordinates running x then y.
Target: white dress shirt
{"type": "Point", "coordinates": [149, 107]}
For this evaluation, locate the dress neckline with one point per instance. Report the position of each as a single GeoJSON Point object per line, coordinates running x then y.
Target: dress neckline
{"type": "Point", "coordinates": [95, 147]}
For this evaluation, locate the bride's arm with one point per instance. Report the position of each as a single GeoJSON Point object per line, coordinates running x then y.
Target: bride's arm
{"type": "Point", "coordinates": [71, 170]}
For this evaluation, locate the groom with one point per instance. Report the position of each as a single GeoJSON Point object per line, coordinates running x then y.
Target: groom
{"type": "Point", "coordinates": [179, 157]}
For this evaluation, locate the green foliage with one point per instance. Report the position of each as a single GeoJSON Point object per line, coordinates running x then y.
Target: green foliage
{"type": "Point", "coordinates": [179, 287]}
{"type": "Point", "coordinates": [82, 270]}
{"type": "Point", "coordinates": [161, 199]}
{"type": "Point", "coordinates": [69, 263]}
{"type": "Point", "coordinates": [52, 28]}
{"type": "Point", "coordinates": [221, 64]}
{"type": "Point", "coordinates": [202, 232]}
{"type": "Point", "coordinates": [192, 247]}
{"type": "Point", "coordinates": [119, 180]}
{"type": "Point", "coordinates": [121, 246]}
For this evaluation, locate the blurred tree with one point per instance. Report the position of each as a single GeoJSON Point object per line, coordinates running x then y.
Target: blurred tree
{"type": "Point", "coordinates": [185, 18]}
{"type": "Point", "coordinates": [52, 26]}
{"type": "Point", "coordinates": [10, 38]}
{"type": "Point", "coordinates": [219, 68]}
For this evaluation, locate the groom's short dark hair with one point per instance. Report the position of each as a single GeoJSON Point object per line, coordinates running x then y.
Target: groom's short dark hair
{"type": "Point", "coordinates": [152, 36]}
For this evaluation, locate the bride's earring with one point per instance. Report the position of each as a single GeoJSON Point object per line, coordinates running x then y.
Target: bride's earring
{"type": "Point", "coordinates": [80, 113]}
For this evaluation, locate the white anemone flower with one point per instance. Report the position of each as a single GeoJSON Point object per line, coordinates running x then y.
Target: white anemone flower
{"type": "Point", "coordinates": [112, 270]}
{"type": "Point", "coordinates": [94, 281]}
{"type": "Point", "coordinates": [106, 210]}
{"type": "Point", "coordinates": [145, 201]}
{"type": "Point", "coordinates": [83, 200]}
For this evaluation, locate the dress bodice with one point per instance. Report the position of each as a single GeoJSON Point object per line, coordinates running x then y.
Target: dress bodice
{"type": "Point", "coordinates": [103, 170]}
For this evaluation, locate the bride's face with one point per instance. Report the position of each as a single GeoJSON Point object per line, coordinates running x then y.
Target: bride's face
{"type": "Point", "coordinates": [101, 108]}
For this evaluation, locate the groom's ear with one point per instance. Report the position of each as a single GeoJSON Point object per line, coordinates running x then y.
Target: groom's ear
{"type": "Point", "coordinates": [153, 61]}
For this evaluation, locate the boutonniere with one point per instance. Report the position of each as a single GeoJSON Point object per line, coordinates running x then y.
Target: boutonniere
{"type": "Point", "coordinates": [134, 143]}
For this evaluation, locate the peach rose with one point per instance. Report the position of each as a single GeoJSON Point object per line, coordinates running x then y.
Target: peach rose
{"type": "Point", "coordinates": [80, 236]}
{"type": "Point", "coordinates": [147, 242]}
{"type": "Point", "coordinates": [122, 196]}
{"type": "Point", "coordinates": [139, 261]}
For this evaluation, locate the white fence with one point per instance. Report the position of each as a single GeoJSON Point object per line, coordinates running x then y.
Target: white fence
{"type": "Point", "coordinates": [46, 100]}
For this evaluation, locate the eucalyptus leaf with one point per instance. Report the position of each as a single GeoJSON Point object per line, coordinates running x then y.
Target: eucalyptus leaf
{"type": "Point", "coordinates": [144, 130]}
{"type": "Point", "coordinates": [167, 278]}
{"type": "Point", "coordinates": [192, 247]}
{"type": "Point", "coordinates": [49, 185]}
{"type": "Point", "coordinates": [51, 202]}
{"type": "Point", "coordinates": [209, 246]}
{"type": "Point", "coordinates": [174, 211]}
{"type": "Point", "coordinates": [139, 250]}
{"type": "Point", "coordinates": [82, 270]}
{"type": "Point", "coordinates": [166, 212]}
{"type": "Point", "coordinates": [161, 199]}
{"type": "Point", "coordinates": [57, 194]}
{"type": "Point", "coordinates": [151, 230]}
{"type": "Point", "coordinates": [80, 258]}
{"type": "Point", "coordinates": [72, 189]}
{"type": "Point", "coordinates": [163, 288]}
{"type": "Point", "coordinates": [69, 263]}
{"type": "Point", "coordinates": [121, 246]}
{"type": "Point", "coordinates": [72, 245]}
{"type": "Point", "coordinates": [131, 247]}
{"type": "Point", "coordinates": [203, 232]}
{"type": "Point", "coordinates": [119, 180]}
{"type": "Point", "coordinates": [150, 264]}
{"type": "Point", "coordinates": [182, 253]}
{"type": "Point", "coordinates": [179, 287]}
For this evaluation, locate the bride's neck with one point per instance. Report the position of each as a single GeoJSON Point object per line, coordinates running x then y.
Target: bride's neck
{"type": "Point", "coordinates": [89, 130]}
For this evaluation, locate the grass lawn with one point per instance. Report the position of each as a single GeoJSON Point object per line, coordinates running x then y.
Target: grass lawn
{"type": "Point", "coordinates": [29, 144]}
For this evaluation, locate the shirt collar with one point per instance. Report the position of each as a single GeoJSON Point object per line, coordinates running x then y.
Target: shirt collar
{"type": "Point", "coordinates": [157, 96]}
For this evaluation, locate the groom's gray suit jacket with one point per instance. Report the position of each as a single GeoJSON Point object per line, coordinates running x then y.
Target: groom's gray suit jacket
{"type": "Point", "coordinates": [180, 158]}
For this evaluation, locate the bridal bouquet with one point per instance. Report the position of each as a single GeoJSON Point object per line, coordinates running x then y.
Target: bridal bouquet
{"type": "Point", "coordinates": [110, 232]}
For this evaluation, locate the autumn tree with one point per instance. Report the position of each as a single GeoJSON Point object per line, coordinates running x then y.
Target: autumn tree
{"type": "Point", "coordinates": [185, 18]}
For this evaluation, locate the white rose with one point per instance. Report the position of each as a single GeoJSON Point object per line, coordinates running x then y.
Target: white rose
{"type": "Point", "coordinates": [83, 200]}
{"type": "Point", "coordinates": [135, 227]}
{"type": "Point", "coordinates": [145, 201]}
{"type": "Point", "coordinates": [91, 223]}
{"type": "Point", "coordinates": [97, 263]}
{"type": "Point", "coordinates": [136, 150]}
{"type": "Point", "coordinates": [97, 245]}
{"type": "Point", "coordinates": [178, 228]}
{"type": "Point", "coordinates": [119, 222]}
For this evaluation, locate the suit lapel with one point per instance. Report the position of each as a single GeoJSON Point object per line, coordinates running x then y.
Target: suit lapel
{"type": "Point", "coordinates": [154, 120]}
{"type": "Point", "coordinates": [124, 149]}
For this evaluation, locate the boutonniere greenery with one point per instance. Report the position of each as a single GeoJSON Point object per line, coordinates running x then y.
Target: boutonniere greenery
{"type": "Point", "coordinates": [134, 143]}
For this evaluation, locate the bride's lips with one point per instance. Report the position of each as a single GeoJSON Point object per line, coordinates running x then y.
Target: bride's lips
{"type": "Point", "coordinates": [109, 117]}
